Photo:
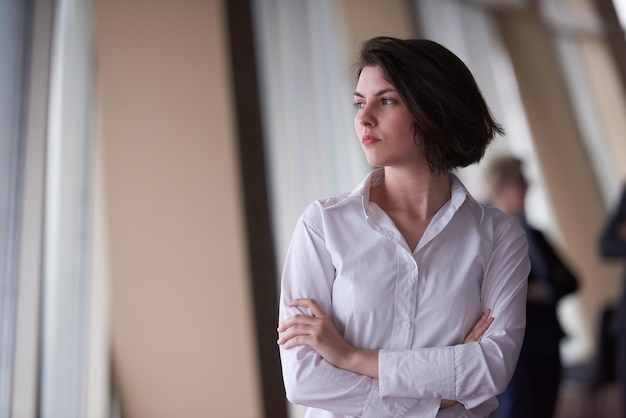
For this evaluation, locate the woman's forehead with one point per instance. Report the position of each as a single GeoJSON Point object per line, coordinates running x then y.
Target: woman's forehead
{"type": "Point", "coordinates": [373, 77]}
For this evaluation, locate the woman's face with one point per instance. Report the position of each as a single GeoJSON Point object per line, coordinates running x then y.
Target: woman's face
{"type": "Point", "coordinates": [383, 122]}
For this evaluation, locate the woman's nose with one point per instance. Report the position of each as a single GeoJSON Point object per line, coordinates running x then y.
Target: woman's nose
{"type": "Point", "coordinates": [366, 116]}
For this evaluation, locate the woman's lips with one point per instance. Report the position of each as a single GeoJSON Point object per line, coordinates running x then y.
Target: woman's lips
{"type": "Point", "coordinates": [369, 139]}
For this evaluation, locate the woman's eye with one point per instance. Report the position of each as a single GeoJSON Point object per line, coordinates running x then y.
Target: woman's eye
{"type": "Point", "coordinates": [359, 105]}
{"type": "Point", "coordinates": [388, 101]}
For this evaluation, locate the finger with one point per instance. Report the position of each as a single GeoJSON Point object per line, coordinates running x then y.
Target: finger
{"type": "Point", "coordinates": [296, 341]}
{"type": "Point", "coordinates": [314, 307]}
{"type": "Point", "coordinates": [294, 332]}
{"type": "Point", "coordinates": [480, 323]}
{"type": "Point", "coordinates": [483, 329]}
{"type": "Point", "coordinates": [480, 328]}
{"type": "Point", "coordinates": [480, 332]}
{"type": "Point", "coordinates": [484, 316]}
{"type": "Point", "coordinates": [299, 319]}
{"type": "Point", "coordinates": [447, 403]}
{"type": "Point", "coordinates": [483, 323]}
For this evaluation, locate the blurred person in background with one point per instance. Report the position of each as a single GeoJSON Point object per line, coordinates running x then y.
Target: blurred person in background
{"type": "Point", "coordinates": [613, 245]}
{"type": "Point", "coordinates": [533, 390]}
{"type": "Point", "coordinates": [387, 291]}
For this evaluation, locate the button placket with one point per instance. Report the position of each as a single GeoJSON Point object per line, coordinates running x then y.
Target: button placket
{"type": "Point", "coordinates": [411, 268]}
{"type": "Point", "coordinates": [405, 298]}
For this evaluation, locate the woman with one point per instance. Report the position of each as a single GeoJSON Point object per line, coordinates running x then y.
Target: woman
{"type": "Point", "coordinates": [387, 292]}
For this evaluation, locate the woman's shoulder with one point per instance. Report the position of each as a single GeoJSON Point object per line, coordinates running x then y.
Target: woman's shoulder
{"type": "Point", "coordinates": [491, 217]}
{"type": "Point", "coordinates": [317, 210]}
{"type": "Point", "coordinates": [505, 226]}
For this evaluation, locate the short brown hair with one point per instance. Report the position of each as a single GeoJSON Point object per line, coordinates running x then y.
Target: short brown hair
{"type": "Point", "coordinates": [442, 96]}
{"type": "Point", "coordinates": [503, 170]}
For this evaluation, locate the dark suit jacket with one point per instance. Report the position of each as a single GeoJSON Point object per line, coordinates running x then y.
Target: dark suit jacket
{"type": "Point", "coordinates": [612, 245]}
{"type": "Point", "coordinates": [543, 331]}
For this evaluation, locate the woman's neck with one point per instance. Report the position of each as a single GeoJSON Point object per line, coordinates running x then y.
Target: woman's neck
{"type": "Point", "coordinates": [419, 192]}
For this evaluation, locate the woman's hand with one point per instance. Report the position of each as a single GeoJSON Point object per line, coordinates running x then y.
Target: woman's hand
{"type": "Point", "coordinates": [475, 336]}
{"type": "Point", "coordinates": [318, 332]}
{"type": "Point", "coordinates": [477, 333]}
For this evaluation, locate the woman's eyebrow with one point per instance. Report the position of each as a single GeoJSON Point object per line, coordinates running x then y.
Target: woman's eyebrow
{"type": "Point", "coordinates": [378, 93]}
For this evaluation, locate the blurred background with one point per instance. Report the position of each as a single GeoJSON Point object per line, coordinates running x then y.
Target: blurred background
{"type": "Point", "coordinates": [156, 154]}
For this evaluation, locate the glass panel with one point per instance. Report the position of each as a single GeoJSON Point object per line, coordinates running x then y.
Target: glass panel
{"type": "Point", "coordinates": [66, 249]}
{"type": "Point", "coordinates": [12, 22]}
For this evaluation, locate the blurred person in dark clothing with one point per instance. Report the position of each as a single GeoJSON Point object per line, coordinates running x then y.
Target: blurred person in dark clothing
{"type": "Point", "coordinates": [533, 390]}
{"type": "Point", "coordinates": [613, 245]}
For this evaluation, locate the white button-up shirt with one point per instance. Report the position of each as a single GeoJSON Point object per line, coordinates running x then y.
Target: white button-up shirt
{"type": "Point", "coordinates": [416, 307]}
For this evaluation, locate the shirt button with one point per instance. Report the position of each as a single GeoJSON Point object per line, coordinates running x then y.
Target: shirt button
{"type": "Point", "coordinates": [410, 267]}
{"type": "Point", "coordinates": [406, 325]}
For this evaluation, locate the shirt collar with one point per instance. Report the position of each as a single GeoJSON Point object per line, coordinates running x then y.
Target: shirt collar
{"type": "Point", "coordinates": [458, 193]}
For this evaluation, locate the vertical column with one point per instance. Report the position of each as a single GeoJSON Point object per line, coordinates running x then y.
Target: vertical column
{"type": "Point", "coordinates": [260, 245]}
{"type": "Point", "coordinates": [570, 180]}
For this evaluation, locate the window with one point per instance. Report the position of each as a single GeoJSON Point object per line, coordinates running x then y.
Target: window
{"type": "Point", "coordinates": [46, 183]}
{"type": "Point", "coordinates": [12, 42]}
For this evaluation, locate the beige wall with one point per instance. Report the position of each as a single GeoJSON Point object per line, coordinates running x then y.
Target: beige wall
{"type": "Point", "coordinates": [365, 19]}
{"type": "Point", "coordinates": [183, 343]}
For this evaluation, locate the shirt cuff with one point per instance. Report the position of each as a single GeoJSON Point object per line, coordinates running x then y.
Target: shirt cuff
{"type": "Point", "coordinates": [377, 407]}
{"type": "Point", "coordinates": [427, 373]}
{"type": "Point", "coordinates": [420, 408]}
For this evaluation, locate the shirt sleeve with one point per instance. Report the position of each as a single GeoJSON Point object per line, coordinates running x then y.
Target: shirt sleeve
{"type": "Point", "coordinates": [475, 372]}
{"type": "Point", "coordinates": [309, 379]}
